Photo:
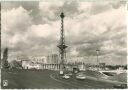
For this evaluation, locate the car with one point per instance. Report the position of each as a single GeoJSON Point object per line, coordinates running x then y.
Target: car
{"type": "Point", "coordinates": [120, 86]}
{"type": "Point", "coordinates": [66, 76]}
{"type": "Point", "coordinates": [61, 72]}
{"type": "Point", "coordinates": [80, 77]}
{"type": "Point", "coordinates": [70, 74]}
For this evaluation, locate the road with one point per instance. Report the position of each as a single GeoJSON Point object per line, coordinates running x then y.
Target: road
{"type": "Point", "coordinates": [83, 84]}
{"type": "Point", "coordinates": [47, 79]}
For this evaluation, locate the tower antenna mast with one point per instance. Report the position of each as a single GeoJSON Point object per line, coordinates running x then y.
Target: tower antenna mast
{"type": "Point", "coordinates": [62, 47]}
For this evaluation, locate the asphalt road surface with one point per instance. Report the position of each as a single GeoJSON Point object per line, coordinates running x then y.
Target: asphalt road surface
{"type": "Point", "coordinates": [82, 84]}
{"type": "Point", "coordinates": [47, 79]}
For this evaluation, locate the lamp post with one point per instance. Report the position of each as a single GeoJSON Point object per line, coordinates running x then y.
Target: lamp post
{"type": "Point", "coordinates": [97, 51]}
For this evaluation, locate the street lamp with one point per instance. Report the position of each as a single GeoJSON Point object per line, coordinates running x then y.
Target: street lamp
{"type": "Point", "coordinates": [97, 51]}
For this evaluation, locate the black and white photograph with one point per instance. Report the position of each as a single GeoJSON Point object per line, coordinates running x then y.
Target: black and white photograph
{"type": "Point", "coordinates": [63, 44]}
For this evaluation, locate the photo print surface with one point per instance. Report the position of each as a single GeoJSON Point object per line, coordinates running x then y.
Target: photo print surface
{"type": "Point", "coordinates": [63, 44]}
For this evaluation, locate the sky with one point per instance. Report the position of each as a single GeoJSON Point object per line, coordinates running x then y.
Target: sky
{"type": "Point", "coordinates": [33, 28]}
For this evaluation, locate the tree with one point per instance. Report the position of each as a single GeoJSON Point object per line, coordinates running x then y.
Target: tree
{"type": "Point", "coordinates": [5, 63]}
{"type": "Point", "coordinates": [16, 64]}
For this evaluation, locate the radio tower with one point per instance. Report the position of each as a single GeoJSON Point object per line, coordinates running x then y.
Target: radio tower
{"type": "Point", "coordinates": [62, 47]}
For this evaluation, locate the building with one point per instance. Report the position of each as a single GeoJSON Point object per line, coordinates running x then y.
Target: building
{"type": "Point", "coordinates": [81, 67]}
{"type": "Point", "coordinates": [38, 59]}
{"type": "Point", "coordinates": [25, 64]}
{"type": "Point", "coordinates": [75, 59]}
{"type": "Point", "coordinates": [48, 59]}
{"type": "Point", "coordinates": [53, 59]}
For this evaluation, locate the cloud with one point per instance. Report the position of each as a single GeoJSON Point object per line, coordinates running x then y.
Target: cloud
{"type": "Point", "coordinates": [32, 7]}
{"type": "Point", "coordinates": [97, 32]}
{"type": "Point", "coordinates": [41, 30]}
{"type": "Point", "coordinates": [34, 28]}
{"type": "Point", "coordinates": [50, 10]}
{"type": "Point", "coordinates": [15, 4]}
{"type": "Point", "coordinates": [14, 25]}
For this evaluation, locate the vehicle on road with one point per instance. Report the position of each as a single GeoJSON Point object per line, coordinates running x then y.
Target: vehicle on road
{"type": "Point", "coordinates": [75, 70]}
{"type": "Point", "coordinates": [66, 76]}
{"type": "Point", "coordinates": [80, 77]}
{"type": "Point", "coordinates": [70, 74]}
{"type": "Point", "coordinates": [61, 72]}
{"type": "Point", "coordinates": [120, 86]}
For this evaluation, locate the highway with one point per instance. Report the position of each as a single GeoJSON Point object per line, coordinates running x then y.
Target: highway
{"type": "Point", "coordinates": [82, 84]}
{"type": "Point", "coordinates": [47, 79]}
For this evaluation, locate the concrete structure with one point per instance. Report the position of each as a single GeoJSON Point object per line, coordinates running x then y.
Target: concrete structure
{"type": "Point", "coordinates": [38, 59]}
{"type": "Point", "coordinates": [75, 59]}
{"type": "Point", "coordinates": [53, 59]}
{"type": "Point", "coordinates": [25, 64]}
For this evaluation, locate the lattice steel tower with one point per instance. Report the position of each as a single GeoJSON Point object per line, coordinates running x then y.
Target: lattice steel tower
{"type": "Point", "coordinates": [62, 47]}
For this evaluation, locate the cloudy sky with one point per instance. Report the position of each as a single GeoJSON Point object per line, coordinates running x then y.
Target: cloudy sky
{"type": "Point", "coordinates": [33, 28]}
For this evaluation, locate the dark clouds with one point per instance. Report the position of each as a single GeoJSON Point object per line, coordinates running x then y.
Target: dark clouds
{"type": "Point", "coordinates": [25, 4]}
{"type": "Point", "coordinates": [33, 28]}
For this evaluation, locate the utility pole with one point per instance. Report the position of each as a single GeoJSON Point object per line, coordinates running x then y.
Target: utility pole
{"type": "Point", "coordinates": [62, 47]}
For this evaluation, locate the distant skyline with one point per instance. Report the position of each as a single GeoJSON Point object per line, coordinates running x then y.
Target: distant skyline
{"type": "Point", "coordinates": [33, 28]}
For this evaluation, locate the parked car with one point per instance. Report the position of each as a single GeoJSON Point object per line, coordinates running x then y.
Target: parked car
{"type": "Point", "coordinates": [80, 76]}
{"type": "Point", "coordinates": [120, 86]}
{"type": "Point", "coordinates": [66, 76]}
